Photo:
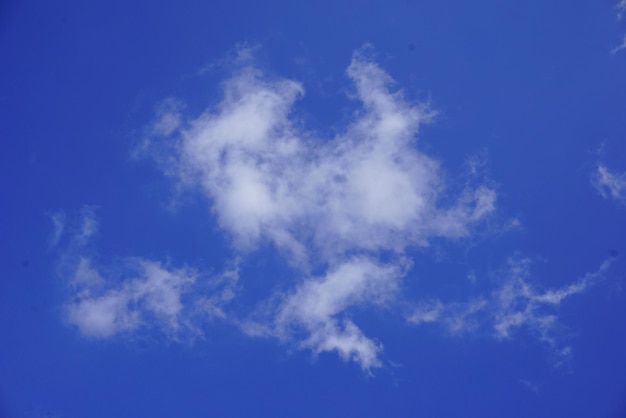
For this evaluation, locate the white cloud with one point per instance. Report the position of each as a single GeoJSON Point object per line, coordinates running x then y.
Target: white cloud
{"type": "Point", "coordinates": [515, 304]}
{"type": "Point", "coordinates": [427, 312]}
{"type": "Point", "coordinates": [169, 115]}
{"type": "Point", "coordinates": [366, 189]}
{"type": "Point", "coordinates": [152, 295]}
{"type": "Point", "coordinates": [103, 316]}
{"type": "Point", "coordinates": [333, 202]}
{"type": "Point", "coordinates": [86, 275]}
{"type": "Point", "coordinates": [457, 318]}
{"type": "Point", "coordinates": [610, 184]}
{"type": "Point", "coordinates": [152, 298]}
{"type": "Point", "coordinates": [317, 303]}
{"type": "Point", "coordinates": [518, 303]}
{"type": "Point", "coordinates": [88, 225]}
{"type": "Point", "coordinates": [621, 9]}
{"type": "Point", "coordinates": [222, 289]}
{"type": "Point", "coordinates": [242, 53]}
{"type": "Point", "coordinates": [317, 313]}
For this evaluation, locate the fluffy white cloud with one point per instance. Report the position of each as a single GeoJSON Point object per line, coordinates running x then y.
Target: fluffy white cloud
{"type": "Point", "coordinates": [368, 188]}
{"type": "Point", "coordinates": [333, 203]}
{"type": "Point", "coordinates": [610, 184]}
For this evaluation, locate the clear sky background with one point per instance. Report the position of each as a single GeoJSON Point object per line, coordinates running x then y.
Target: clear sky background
{"type": "Point", "coordinates": [387, 209]}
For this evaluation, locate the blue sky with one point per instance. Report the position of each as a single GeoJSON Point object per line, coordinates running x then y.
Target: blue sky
{"type": "Point", "coordinates": [411, 209]}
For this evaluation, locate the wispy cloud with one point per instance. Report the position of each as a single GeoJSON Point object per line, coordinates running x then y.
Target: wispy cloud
{"type": "Point", "coordinates": [88, 225]}
{"type": "Point", "coordinates": [150, 295]}
{"type": "Point", "coordinates": [331, 203]}
{"type": "Point", "coordinates": [153, 295]}
{"type": "Point", "coordinates": [531, 386]}
{"type": "Point", "coordinates": [513, 305]}
{"type": "Point", "coordinates": [610, 184]}
{"type": "Point", "coordinates": [58, 227]}
{"type": "Point", "coordinates": [619, 47]}
{"type": "Point", "coordinates": [621, 8]}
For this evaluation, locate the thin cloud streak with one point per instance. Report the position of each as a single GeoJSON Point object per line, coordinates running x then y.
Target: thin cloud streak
{"type": "Point", "coordinates": [58, 227]}
{"type": "Point", "coordinates": [609, 183]}
{"type": "Point", "coordinates": [514, 305]}
{"type": "Point", "coordinates": [619, 47]}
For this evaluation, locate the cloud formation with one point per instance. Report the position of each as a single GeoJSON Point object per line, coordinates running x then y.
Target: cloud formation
{"type": "Point", "coordinates": [610, 184]}
{"type": "Point", "coordinates": [343, 211]}
{"type": "Point", "coordinates": [331, 203]}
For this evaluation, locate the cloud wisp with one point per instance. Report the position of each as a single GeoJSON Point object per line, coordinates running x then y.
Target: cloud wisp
{"type": "Point", "coordinates": [619, 47]}
{"type": "Point", "coordinates": [513, 305]}
{"type": "Point", "coordinates": [58, 227]}
{"type": "Point", "coordinates": [132, 294]}
{"type": "Point", "coordinates": [609, 183]}
{"type": "Point", "coordinates": [153, 295]}
{"type": "Point", "coordinates": [621, 8]}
